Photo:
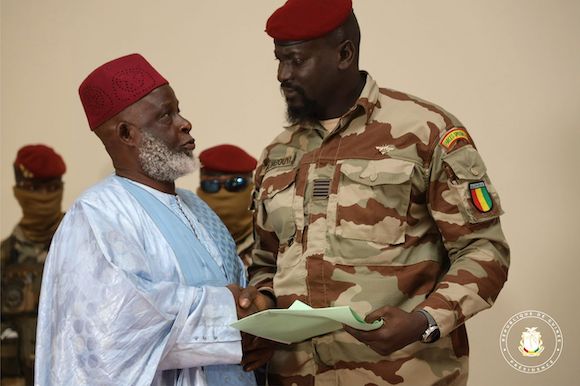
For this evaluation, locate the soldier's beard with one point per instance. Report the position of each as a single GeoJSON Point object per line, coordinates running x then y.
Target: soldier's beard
{"type": "Point", "coordinates": [306, 112]}
{"type": "Point", "coordinates": [161, 163]}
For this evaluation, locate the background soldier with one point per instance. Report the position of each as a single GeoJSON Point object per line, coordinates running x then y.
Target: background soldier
{"type": "Point", "coordinates": [226, 185]}
{"type": "Point", "coordinates": [39, 188]}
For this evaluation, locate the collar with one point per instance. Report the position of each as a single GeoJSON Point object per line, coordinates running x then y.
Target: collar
{"type": "Point", "coordinates": [368, 99]}
{"type": "Point", "coordinates": [166, 198]}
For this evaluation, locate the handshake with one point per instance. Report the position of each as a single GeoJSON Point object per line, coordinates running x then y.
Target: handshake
{"type": "Point", "coordinates": [256, 351]}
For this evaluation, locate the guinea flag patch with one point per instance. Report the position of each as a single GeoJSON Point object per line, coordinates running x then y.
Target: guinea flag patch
{"type": "Point", "coordinates": [453, 136]}
{"type": "Point", "coordinates": [480, 196]}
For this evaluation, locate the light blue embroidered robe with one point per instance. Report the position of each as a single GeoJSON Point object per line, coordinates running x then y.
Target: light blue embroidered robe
{"type": "Point", "coordinates": [115, 306]}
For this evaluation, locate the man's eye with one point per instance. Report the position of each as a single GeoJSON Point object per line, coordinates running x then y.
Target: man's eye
{"type": "Point", "coordinates": [298, 61]}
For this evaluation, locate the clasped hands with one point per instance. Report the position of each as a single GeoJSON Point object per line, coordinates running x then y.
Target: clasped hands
{"type": "Point", "coordinates": [256, 351]}
{"type": "Point", "coordinates": [399, 329]}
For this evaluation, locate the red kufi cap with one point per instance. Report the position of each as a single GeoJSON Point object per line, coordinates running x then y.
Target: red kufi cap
{"type": "Point", "coordinates": [307, 19]}
{"type": "Point", "coordinates": [116, 85]}
{"type": "Point", "coordinates": [227, 159]}
{"type": "Point", "coordinates": [39, 161]}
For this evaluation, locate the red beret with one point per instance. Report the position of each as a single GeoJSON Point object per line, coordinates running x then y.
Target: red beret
{"type": "Point", "coordinates": [39, 161]}
{"type": "Point", "coordinates": [307, 19]}
{"type": "Point", "coordinates": [227, 159]}
{"type": "Point", "coordinates": [116, 85]}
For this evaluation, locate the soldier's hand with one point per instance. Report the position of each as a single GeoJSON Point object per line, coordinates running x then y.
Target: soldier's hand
{"type": "Point", "coordinates": [399, 329]}
{"type": "Point", "coordinates": [256, 351]}
{"type": "Point", "coordinates": [249, 300]}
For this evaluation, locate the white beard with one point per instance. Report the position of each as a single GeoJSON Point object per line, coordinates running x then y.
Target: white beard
{"type": "Point", "coordinates": [163, 164]}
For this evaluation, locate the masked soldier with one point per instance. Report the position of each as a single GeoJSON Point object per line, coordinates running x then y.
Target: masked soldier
{"type": "Point", "coordinates": [226, 185]}
{"type": "Point", "coordinates": [38, 170]}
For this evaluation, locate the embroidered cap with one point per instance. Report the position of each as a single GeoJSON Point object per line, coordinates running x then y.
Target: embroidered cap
{"type": "Point", "coordinates": [116, 85]}
{"type": "Point", "coordinates": [299, 20]}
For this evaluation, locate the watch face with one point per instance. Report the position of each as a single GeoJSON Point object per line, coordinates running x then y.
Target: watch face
{"type": "Point", "coordinates": [431, 335]}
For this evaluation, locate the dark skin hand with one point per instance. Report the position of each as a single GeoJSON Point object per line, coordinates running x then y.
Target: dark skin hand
{"type": "Point", "coordinates": [399, 329]}
{"type": "Point", "coordinates": [256, 351]}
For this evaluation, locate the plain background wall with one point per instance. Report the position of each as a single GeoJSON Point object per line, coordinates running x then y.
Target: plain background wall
{"type": "Point", "coordinates": [509, 69]}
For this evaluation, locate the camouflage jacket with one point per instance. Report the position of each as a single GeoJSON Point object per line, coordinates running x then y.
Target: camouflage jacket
{"type": "Point", "coordinates": [22, 262]}
{"type": "Point", "coordinates": [392, 207]}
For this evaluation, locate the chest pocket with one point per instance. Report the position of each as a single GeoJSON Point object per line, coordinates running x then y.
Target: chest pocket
{"type": "Point", "coordinates": [277, 196]}
{"type": "Point", "coordinates": [373, 200]}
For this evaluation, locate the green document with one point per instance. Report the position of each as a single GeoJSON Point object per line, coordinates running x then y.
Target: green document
{"type": "Point", "coordinates": [300, 322]}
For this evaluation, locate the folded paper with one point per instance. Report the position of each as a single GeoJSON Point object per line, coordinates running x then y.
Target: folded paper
{"type": "Point", "coordinates": [300, 322]}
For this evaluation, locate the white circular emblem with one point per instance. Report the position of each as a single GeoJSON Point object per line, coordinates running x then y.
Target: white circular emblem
{"type": "Point", "coordinates": [531, 341]}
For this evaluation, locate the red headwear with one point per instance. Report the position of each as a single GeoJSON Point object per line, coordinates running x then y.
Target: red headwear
{"type": "Point", "coordinates": [39, 161]}
{"type": "Point", "coordinates": [227, 159]}
{"type": "Point", "coordinates": [116, 85]}
{"type": "Point", "coordinates": [300, 20]}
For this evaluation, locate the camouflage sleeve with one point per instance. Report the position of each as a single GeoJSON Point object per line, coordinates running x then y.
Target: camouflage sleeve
{"type": "Point", "coordinates": [466, 209]}
{"type": "Point", "coordinates": [6, 249]}
{"type": "Point", "coordinates": [265, 251]}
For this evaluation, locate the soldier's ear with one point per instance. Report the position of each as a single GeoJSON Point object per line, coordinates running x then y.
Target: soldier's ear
{"type": "Point", "coordinates": [346, 53]}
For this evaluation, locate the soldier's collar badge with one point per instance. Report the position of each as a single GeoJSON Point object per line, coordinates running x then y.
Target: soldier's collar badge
{"type": "Point", "coordinates": [385, 149]}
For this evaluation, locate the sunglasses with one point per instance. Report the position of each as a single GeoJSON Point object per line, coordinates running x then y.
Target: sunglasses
{"type": "Point", "coordinates": [233, 184]}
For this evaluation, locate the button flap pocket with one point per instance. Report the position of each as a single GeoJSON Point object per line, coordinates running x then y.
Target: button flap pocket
{"type": "Point", "coordinates": [466, 163]}
{"type": "Point", "coordinates": [379, 172]}
{"type": "Point", "coordinates": [276, 181]}
{"type": "Point", "coordinates": [373, 200]}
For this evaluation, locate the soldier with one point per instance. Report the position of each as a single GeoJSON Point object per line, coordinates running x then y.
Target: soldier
{"type": "Point", "coordinates": [374, 199]}
{"type": "Point", "coordinates": [38, 171]}
{"type": "Point", "coordinates": [226, 185]}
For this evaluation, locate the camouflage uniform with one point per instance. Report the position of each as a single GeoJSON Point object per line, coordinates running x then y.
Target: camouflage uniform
{"type": "Point", "coordinates": [244, 249]}
{"type": "Point", "coordinates": [22, 265]}
{"type": "Point", "coordinates": [378, 212]}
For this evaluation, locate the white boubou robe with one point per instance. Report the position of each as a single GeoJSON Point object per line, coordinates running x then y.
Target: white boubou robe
{"type": "Point", "coordinates": [126, 301]}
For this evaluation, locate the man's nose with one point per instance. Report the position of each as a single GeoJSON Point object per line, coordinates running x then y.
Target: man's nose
{"type": "Point", "coordinates": [184, 125]}
{"type": "Point", "coordinates": [284, 72]}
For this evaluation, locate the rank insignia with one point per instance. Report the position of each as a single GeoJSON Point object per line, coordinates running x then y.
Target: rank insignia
{"type": "Point", "coordinates": [480, 196]}
{"type": "Point", "coordinates": [453, 136]}
{"type": "Point", "coordinates": [321, 188]}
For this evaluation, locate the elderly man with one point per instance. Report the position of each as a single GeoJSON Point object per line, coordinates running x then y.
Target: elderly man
{"type": "Point", "coordinates": [38, 172]}
{"type": "Point", "coordinates": [226, 185]}
{"type": "Point", "coordinates": [142, 279]}
{"type": "Point", "coordinates": [375, 199]}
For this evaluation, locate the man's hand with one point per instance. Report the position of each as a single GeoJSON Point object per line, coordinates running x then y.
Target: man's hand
{"type": "Point", "coordinates": [256, 351]}
{"type": "Point", "coordinates": [249, 300]}
{"type": "Point", "coordinates": [400, 329]}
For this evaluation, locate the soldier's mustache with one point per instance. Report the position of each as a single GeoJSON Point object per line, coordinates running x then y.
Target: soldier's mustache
{"type": "Point", "coordinates": [289, 86]}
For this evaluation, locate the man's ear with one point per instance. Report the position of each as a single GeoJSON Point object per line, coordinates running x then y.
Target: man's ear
{"type": "Point", "coordinates": [346, 52]}
{"type": "Point", "coordinates": [128, 134]}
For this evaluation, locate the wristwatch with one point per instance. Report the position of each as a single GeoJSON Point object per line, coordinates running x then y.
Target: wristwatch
{"type": "Point", "coordinates": [432, 332]}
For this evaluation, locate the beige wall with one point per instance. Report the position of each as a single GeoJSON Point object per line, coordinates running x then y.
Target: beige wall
{"type": "Point", "coordinates": [510, 70]}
